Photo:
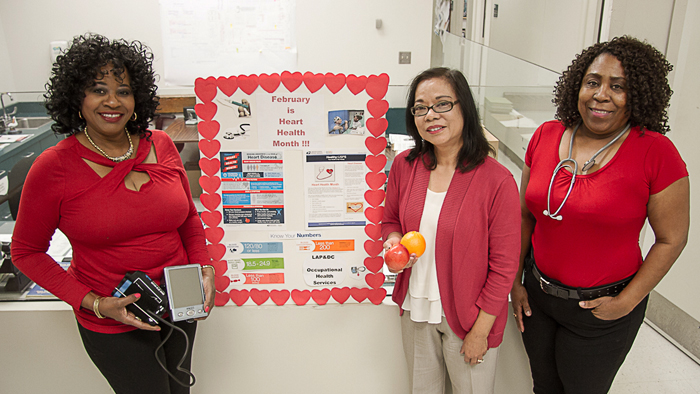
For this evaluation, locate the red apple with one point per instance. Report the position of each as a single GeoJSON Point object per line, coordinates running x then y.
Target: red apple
{"type": "Point", "coordinates": [396, 257]}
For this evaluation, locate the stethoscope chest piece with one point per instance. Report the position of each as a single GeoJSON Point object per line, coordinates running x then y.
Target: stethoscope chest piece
{"type": "Point", "coordinates": [567, 163]}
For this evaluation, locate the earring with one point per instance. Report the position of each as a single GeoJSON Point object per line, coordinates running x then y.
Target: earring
{"type": "Point", "coordinates": [80, 114]}
{"type": "Point", "coordinates": [134, 117]}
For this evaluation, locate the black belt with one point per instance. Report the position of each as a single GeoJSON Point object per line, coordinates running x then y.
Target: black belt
{"type": "Point", "coordinates": [558, 290]}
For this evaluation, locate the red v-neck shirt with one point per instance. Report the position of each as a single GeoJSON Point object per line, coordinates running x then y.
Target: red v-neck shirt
{"type": "Point", "coordinates": [112, 230]}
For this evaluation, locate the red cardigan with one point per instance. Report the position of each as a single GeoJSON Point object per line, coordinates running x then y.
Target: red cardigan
{"type": "Point", "coordinates": [113, 230]}
{"type": "Point", "coordinates": [477, 243]}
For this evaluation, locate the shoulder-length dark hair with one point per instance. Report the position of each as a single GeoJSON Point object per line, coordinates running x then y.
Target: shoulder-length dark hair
{"type": "Point", "coordinates": [646, 69]}
{"type": "Point", "coordinates": [76, 69]}
{"type": "Point", "coordinates": [475, 147]}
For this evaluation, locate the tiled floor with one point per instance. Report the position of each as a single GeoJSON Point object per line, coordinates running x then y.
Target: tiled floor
{"type": "Point", "coordinates": [654, 365]}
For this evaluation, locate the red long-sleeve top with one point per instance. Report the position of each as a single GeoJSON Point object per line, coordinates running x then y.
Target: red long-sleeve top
{"type": "Point", "coordinates": [112, 230]}
{"type": "Point", "coordinates": [477, 244]}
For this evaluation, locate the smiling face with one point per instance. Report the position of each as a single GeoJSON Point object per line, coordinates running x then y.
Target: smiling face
{"type": "Point", "coordinates": [108, 104]}
{"type": "Point", "coordinates": [443, 130]}
{"type": "Point", "coordinates": [602, 99]}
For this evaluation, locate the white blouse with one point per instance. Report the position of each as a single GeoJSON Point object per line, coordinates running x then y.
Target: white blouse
{"type": "Point", "coordinates": [423, 298]}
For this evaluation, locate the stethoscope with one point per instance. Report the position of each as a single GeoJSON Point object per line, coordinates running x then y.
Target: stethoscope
{"type": "Point", "coordinates": [564, 164]}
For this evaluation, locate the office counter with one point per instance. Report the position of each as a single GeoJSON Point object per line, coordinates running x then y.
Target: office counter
{"type": "Point", "coordinates": [291, 349]}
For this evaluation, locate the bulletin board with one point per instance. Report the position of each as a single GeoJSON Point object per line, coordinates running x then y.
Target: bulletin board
{"type": "Point", "coordinates": [293, 174]}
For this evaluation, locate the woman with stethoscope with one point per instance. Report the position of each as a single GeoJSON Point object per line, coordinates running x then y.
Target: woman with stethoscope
{"type": "Point", "coordinates": [590, 181]}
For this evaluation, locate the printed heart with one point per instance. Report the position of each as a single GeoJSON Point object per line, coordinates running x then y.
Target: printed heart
{"type": "Point", "coordinates": [228, 86]}
{"type": "Point", "coordinates": [377, 126]}
{"type": "Point", "coordinates": [375, 281]}
{"type": "Point", "coordinates": [376, 296]}
{"type": "Point", "coordinates": [216, 251]}
{"type": "Point", "coordinates": [208, 129]}
{"type": "Point", "coordinates": [205, 89]}
{"type": "Point", "coordinates": [374, 215]}
{"type": "Point", "coordinates": [209, 148]}
{"type": "Point", "coordinates": [359, 294]}
{"type": "Point", "coordinates": [210, 201]}
{"type": "Point", "coordinates": [329, 170]}
{"type": "Point", "coordinates": [292, 81]}
{"type": "Point", "coordinates": [279, 297]}
{"type": "Point", "coordinates": [220, 266]}
{"type": "Point", "coordinates": [269, 83]}
{"type": "Point", "coordinates": [356, 207]}
{"type": "Point", "coordinates": [340, 294]}
{"type": "Point", "coordinates": [214, 234]}
{"type": "Point", "coordinates": [222, 282]}
{"type": "Point", "coordinates": [211, 219]}
{"type": "Point", "coordinates": [313, 82]}
{"type": "Point", "coordinates": [356, 84]}
{"type": "Point", "coordinates": [377, 85]}
{"type": "Point", "coordinates": [373, 231]}
{"type": "Point", "coordinates": [210, 167]}
{"type": "Point", "coordinates": [205, 111]}
{"type": "Point", "coordinates": [221, 299]}
{"type": "Point", "coordinates": [375, 198]}
{"type": "Point", "coordinates": [376, 163]}
{"type": "Point", "coordinates": [375, 180]}
{"type": "Point", "coordinates": [239, 297]}
{"type": "Point", "coordinates": [375, 145]}
{"type": "Point", "coordinates": [321, 296]}
{"type": "Point", "coordinates": [373, 248]}
{"type": "Point", "coordinates": [210, 184]}
{"type": "Point", "coordinates": [335, 82]}
{"type": "Point", "coordinates": [374, 264]}
{"type": "Point", "coordinates": [259, 296]}
{"type": "Point", "coordinates": [377, 107]}
{"type": "Point", "coordinates": [248, 84]}
{"type": "Point", "coordinates": [300, 297]}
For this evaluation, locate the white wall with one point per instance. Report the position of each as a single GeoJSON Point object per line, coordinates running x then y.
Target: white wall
{"type": "Point", "coordinates": [644, 19]}
{"type": "Point", "coordinates": [6, 75]}
{"type": "Point", "coordinates": [547, 32]}
{"type": "Point", "coordinates": [332, 36]}
{"type": "Point", "coordinates": [680, 286]}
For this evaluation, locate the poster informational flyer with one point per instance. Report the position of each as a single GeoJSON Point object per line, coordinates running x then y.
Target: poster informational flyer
{"type": "Point", "coordinates": [252, 188]}
{"type": "Point", "coordinates": [293, 174]}
{"type": "Point", "coordinates": [334, 189]}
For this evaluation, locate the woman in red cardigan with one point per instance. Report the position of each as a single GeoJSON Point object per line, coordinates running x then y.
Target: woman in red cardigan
{"type": "Point", "coordinates": [454, 299]}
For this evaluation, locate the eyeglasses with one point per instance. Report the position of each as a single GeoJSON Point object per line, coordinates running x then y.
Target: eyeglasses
{"type": "Point", "coordinates": [439, 108]}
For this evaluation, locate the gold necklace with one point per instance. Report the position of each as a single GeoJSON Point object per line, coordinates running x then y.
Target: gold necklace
{"type": "Point", "coordinates": [114, 159]}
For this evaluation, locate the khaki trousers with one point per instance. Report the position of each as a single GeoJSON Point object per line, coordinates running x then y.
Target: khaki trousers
{"type": "Point", "coordinates": [432, 351]}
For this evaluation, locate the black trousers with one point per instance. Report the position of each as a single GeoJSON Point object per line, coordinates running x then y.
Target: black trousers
{"type": "Point", "coordinates": [128, 360]}
{"type": "Point", "coordinates": [570, 350]}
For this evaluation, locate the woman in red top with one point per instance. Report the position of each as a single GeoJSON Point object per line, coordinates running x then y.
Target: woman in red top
{"type": "Point", "coordinates": [454, 298]}
{"type": "Point", "coordinates": [120, 194]}
{"type": "Point", "coordinates": [590, 181]}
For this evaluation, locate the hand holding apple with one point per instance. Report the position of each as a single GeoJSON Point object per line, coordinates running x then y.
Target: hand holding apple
{"type": "Point", "coordinates": [396, 258]}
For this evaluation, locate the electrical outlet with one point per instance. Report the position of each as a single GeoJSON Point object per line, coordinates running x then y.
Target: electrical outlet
{"type": "Point", "coordinates": [404, 57]}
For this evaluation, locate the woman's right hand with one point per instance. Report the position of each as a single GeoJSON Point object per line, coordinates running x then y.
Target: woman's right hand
{"type": "Point", "coordinates": [115, 308]}
{"type": "Point", "coordinates": [393, 240]}
{"type": "Point", "coordinates": [519, 301]}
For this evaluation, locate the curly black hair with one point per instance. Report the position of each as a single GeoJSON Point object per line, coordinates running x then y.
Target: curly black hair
{"type": "Point", "coordinates": [646, 69]}
{"type": "Point", "coordinates": [475, 147]}
{"type": "Point", "coordinates": [75, 71]}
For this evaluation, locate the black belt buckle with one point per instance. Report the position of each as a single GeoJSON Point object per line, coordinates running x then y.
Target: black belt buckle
{"type": "Point", "coordinates": [551, 289]}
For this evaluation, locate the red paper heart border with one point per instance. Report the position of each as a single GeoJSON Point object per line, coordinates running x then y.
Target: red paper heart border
{"type": "Point", "coordinates": [376, 86]}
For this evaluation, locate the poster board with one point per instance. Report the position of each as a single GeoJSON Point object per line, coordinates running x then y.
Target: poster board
{"type": "Point", "coordinates": [293, 186]}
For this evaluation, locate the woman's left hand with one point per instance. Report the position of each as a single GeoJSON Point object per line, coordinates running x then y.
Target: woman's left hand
{"type": "Point", "coordinates": [607, 308]}
{"type": "Point", "coordinates": [209, 290]}
{"type": "Point", "coordinates": [474, 348]}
